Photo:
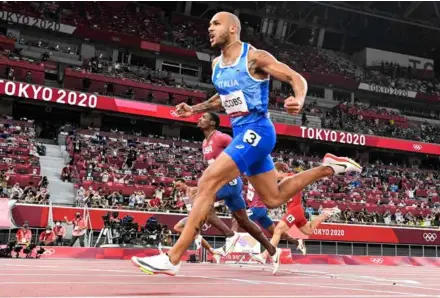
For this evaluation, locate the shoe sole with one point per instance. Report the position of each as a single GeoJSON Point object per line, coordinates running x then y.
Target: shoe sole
{"type": "Point", "coordinates": [343, 159]}
{"type": "Point", "coordinates": [232, 246]}
{"type": "Point", "coordinates": [258, 260]}
{"type": "Point", "coordinates": [149, 271]}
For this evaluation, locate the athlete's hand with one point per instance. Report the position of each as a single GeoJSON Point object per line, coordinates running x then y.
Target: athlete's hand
{"type": "Point", "coordinates": [293, 105]}
{"type": "Point", "coordinates": [183, 110]}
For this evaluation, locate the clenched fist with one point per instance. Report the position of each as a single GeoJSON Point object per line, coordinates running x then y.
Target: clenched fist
{"type": "Point", "coordinates": [183, 110]}
{"type": "Point", "coordinates": [293, 105]}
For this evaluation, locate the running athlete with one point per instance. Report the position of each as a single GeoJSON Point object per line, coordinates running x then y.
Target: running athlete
{"type": "Point", "coordinates": [241, 76]}
{"type": "Point", "coordinates": [258, 213]}
{"type": "Point", "coordinates": [294, 216]}
{"type": "Point", "coordinates": [188, 198]}
{"type": "Point", "coordinates": [213, 145]}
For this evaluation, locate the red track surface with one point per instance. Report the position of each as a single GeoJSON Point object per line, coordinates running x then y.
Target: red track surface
{"type": "Point", "coordinates": [116, 278]}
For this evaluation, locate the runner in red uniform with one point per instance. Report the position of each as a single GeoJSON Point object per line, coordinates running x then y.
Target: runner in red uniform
{"type": "Point", "coordinates": [258, 213]}
{"type": "Point", "coordinates": [295, 215]}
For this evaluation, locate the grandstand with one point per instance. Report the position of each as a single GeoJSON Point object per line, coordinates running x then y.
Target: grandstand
{"type": "Point", "coordinates": [337, 102]}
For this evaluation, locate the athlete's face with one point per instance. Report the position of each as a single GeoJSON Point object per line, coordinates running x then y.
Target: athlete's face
{"type": "Point", "coordinates": [205, 122]}
{"type": "Point", "coordinates": [220, 28]}
{"type": "Point", "coordinates": [180, 186]}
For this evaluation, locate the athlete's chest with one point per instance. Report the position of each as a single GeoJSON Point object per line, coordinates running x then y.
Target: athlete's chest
{"type": "Point", "coordinates": [211, 150]}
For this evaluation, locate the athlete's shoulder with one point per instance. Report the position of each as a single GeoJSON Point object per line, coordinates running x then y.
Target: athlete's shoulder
{"type": "Point", "coordinates": [223, 136]}
{"type": "Point", "coordinates": [255, 53]}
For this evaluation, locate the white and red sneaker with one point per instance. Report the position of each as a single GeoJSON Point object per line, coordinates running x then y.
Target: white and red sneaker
{"type": "Point", "coordinates": [341, 165]}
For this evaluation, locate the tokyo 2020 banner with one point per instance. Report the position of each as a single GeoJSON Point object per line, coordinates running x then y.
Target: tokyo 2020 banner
{"type": "Point", "coordinates": [92, 101]}
{"type": "Point", "coordinates": [38, 215]}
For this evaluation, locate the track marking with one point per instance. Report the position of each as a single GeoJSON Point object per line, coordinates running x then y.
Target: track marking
{"type": "Point", "coordinates": [261, 282]}
{"type": "Point", "coordinates": [265, 296]}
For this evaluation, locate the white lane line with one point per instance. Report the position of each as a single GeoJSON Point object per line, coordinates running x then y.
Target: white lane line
{"type": "Point", "coordinates": [261, 282]}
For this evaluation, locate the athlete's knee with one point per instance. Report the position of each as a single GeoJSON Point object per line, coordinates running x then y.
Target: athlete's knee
{"type": "Point", "coordinates": [241, 217]}
{"type": "Point", "coordinates": [307, 229]}
{"type": "Point", "coordinates": [279, 229]}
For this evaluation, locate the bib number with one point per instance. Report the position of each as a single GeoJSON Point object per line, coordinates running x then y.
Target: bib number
{"type": "Point", "coordinates": [234, 103]}
{"type": "Point", "coordinates": [250, 193]}
{"type": "Point", "coordinates": [290, 218]}
{"type": "Point", "coordinates": [251, 137]}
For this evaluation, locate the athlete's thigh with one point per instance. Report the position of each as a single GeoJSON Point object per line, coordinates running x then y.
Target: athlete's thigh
{"type": "Point", "coordinates": [265, 221]}
{"type": "Point", "coordinates": [234, 200]}
{"type": "Point", "coordinates": [220, 172]}
{"type": "Point", "coordinates": [295, 216]}
{"type": "Point", "coordinates": [251, 145]}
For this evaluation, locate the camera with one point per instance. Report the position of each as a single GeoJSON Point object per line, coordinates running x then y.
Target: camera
{"type": "Point", "coordinates": [108, 222]}
{"type": "Point", "coordinates": [152, 232]}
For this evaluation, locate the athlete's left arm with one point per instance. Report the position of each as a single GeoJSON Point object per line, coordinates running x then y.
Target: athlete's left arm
{"type": "Point", "coordinates": [265, 62]}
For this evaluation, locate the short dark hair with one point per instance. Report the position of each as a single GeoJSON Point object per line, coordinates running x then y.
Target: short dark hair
{"type": "Point", "coordinates": [215, 117]}
{"type": "Point", "coordinates": [180, 180]}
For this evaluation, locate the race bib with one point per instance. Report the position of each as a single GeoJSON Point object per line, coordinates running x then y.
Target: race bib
{"type": "Point", "coordinates": [234, 103]}
{"type": "Point", "coordinates": [250, 193]}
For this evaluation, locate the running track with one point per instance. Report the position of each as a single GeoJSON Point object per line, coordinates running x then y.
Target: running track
{"type": "Point", "coordinates": [116, 278]}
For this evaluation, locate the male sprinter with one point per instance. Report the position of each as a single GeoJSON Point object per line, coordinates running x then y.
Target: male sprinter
{"type": "Point", "coordinates": [241, 76]}
{"type": "Point", "coordinates": [294, 216]}
{"type": "Point", "coordinates": [258, 213]}
{"type": "Point", "coordinates": [213, 145]}
{"type": "Point", "coordinates": [188, 199]}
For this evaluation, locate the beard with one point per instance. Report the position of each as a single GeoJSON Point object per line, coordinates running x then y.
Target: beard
{"type": "Point", "coordinates": [222, 41]}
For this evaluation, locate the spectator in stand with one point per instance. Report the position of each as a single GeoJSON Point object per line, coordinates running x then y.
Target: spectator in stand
{"type": "Point", "coordinates": [66, 174]}
{"type": "Point", "coordinates": [47, 237]}
{"type": "Point", "coordinates": [79, 229]}
{"type": "Point", "coordinates": [60, 233]}
{"type": "Point", "coordinates": [24, 235]}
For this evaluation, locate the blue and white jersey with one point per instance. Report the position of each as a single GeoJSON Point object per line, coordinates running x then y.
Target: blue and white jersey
{"type": "Point", "coordinates": [244, 98]}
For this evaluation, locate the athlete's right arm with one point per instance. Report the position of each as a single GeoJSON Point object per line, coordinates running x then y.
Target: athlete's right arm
{"type": "Point", "coordinates": [211, 105]}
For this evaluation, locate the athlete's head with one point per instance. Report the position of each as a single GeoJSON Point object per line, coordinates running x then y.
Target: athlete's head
{"type": "Point", "coordinates": [209, 120]}
{"type": "Point", "coordinates": [180, 184]}
{"type": "Point", "coordinates": [224, 28]}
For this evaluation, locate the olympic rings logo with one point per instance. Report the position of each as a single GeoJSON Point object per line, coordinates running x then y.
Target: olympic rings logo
{"type": "Point", "coordinates": [376, 260]}
{"type": "Point", "coordinates": [49, 252]}
{"type": "Point", "coordinates": [206, 227]}
{"type": "Point", "coordinates": [417, 147]}
{"type": "Point", "coordinates": [430, 237]}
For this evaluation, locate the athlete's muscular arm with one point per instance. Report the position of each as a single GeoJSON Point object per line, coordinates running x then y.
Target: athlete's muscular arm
{"type": "Point", "coordinates": [262, 62]}
{"type": "Point", "coordinates": [211, 105]}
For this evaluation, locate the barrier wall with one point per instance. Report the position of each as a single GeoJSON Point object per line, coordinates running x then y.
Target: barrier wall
{"type": "Point", "coordinates": [37, 216]}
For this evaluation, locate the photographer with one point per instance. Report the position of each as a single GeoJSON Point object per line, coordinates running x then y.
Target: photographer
{"type": "Point", "coordinates": [24, 235]}
{"type": "Point", "coordinates": [47, 237]}
{"type": "Point", "coordinates": [60, 233]}
{"type": "Point", "coordinates": [79, 229]}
